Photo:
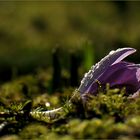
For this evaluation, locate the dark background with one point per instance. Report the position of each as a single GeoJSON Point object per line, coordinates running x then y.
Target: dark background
{"type": "Point", "coordinates": [35, 34]}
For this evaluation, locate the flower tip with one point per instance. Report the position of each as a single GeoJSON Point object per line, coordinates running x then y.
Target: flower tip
{"type": "Point", "coordinates": [130, 49]}
{"type": "Point", "coordinates": [123, 53]}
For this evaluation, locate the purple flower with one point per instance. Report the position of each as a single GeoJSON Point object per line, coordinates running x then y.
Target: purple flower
{"type": "Point", "coordinates": [111, 69]}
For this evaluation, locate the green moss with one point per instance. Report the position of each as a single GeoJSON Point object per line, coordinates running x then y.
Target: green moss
{"type": "Point", "coordinates": [108, 115]}
{"type": "Point", "coordinates": [33, 131]}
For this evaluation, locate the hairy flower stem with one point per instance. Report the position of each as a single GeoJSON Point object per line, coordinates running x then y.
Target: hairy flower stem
{"type": "Point", "coordinates": [48, 116]}
{"type": "Point", "coordinates": [59, 113]}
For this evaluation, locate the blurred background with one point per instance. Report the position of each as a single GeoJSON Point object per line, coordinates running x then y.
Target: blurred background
{"type": "Point", "coordinates": [63, 38]}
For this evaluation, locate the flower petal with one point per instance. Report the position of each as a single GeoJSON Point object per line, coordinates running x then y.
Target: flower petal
{"type": "Point", "coordinates": [112, 58]}
{"type": "Point", "coordinates": [122, 74]}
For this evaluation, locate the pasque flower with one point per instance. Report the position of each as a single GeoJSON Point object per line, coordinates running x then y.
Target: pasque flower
{"type": "Point", "coordinates": [113, 70]}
